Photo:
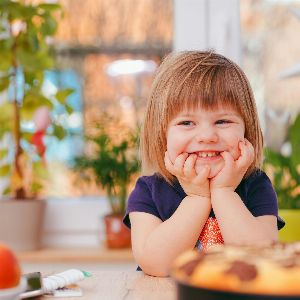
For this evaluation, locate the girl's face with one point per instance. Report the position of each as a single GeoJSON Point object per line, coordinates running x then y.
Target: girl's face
{"type": "Point", "coordinates": [206, 133]}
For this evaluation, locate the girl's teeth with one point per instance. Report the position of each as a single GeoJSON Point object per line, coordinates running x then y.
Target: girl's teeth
{"type": "Point", "coordinates": [208, 154]}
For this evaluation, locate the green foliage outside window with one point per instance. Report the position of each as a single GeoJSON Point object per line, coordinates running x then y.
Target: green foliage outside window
{"type": "Point", "coordinates": [285, 169]}
{"type": "Point", "coordinates": [25, 32]}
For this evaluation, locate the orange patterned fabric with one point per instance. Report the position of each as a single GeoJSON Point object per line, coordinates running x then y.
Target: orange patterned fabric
{"type": "Point", "coordinates": [210, 234]}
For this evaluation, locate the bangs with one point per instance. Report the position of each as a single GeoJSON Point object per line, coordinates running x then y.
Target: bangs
{"type": "Point", "coordinates": [215, 87]}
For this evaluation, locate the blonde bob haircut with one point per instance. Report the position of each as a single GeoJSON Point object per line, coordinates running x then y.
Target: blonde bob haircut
{"type": "Point", "coordinates": [189, 80]}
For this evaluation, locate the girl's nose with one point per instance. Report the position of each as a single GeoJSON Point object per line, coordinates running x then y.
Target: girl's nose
{"type": "Point", "coordinates": [206, 135]}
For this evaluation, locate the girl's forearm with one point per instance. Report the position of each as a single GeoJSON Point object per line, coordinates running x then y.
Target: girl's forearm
{"type": "Point", "coordinates": [237, 224]}
{"type": "Point", "coordinates": [174, 236]}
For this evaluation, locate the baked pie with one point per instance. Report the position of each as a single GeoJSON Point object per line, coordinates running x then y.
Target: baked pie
{"type": "Point", "coordinates": [263, 270]}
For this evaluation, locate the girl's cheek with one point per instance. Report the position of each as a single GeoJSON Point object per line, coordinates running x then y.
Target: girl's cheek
{"type": "Point", "coordinates": [172, 153]}
{"type": "Point", "coordinates": [174, 146]}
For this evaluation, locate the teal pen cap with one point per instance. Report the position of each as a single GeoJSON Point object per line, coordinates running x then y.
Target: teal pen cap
{"type": "Point", "coordinates": [86, 274]}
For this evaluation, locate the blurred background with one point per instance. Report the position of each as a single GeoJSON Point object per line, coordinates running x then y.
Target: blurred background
{"type": "Point", "coordinates": [103, 57]}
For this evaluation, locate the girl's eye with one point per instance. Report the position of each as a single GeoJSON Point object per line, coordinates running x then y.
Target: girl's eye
{"type": "Point", "coordinates": [221, 122]}
{"type": "Point", "coordinates": [186, 123]}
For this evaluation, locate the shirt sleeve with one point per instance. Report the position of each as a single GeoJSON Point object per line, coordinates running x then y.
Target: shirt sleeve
{"type": "Point", "coordinates": [262, 198]}
{"type": "Point", "coordinates": [140, 200]}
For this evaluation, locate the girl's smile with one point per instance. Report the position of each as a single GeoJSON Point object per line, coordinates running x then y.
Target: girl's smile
{"type": "Point", "coordinates": [211, 158]}
{"type": "Point", "coordinates": [207, 154]}
{"type": "Point", "coordinates": [206, 134]}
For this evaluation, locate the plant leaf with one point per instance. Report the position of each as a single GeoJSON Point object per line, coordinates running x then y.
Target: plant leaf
{"type": "Point", "coordinates": [7, 191]}
{"type": "Point", "coordinates": [50, 7]}
{"type": "Point", "coordinates": [58, 131]}
{"type": "Point", "coordinates": [3, 153]}
{"type": "Point", "coordinates": [49, 26]}
{"type": "Point", "coordinates": [5, 170]}
{"type": "Point", "coordinates": [5, 61]}
{"type": "Point", "coordinates": [62, 95]}
{"type": "Point", "coordinates": [4, 82]}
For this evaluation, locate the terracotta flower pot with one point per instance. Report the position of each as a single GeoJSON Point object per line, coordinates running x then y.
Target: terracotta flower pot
{"type": "Point", "coordinates": [117, 234]}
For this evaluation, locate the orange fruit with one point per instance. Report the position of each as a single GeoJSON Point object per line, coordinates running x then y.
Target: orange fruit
{"type": "Point", "coordinates": [10, 271]}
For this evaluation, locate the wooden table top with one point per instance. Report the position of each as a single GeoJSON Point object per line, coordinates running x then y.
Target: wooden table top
{"type": "Point", "coordinates": [51, 255]}
{"type": "Point", "coordinates": [129, 285]}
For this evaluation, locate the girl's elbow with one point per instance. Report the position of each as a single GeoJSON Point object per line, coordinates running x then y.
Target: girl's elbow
{"type": "Point", "coordinates": [158, 267]}
{"type": "Point", "coordinates": [153, 267]}
{"type": "Point", "coordinates": [155, 271]}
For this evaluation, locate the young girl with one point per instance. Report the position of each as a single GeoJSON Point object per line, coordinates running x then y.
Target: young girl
{"type": "Point", "coordinates": [203, 144]}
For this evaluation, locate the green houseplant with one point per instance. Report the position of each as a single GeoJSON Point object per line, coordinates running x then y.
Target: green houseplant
{"type": "Point", "coordinates": [284, 170]}
{"type": "Point", "coordinates": [25, 30]}
{"type": "Point", "coordinates": [114, 164]}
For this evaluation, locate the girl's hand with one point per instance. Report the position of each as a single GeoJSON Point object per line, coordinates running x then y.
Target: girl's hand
{"type": "Point", "coordinates": [184, 169]}
{"type": "Point", "coordinates": [234, 170]}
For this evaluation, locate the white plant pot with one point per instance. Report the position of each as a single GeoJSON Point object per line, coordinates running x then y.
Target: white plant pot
{"type": "Point", "coordinates": [21, 223]}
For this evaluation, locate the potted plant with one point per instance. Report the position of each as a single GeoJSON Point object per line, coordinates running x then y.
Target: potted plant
{"type": "Point", "coordinates": [284, 170]}
{"type": "Point", "coordinates": [25, 30]}
{"type": "Point", "coordinates": [113, 162]}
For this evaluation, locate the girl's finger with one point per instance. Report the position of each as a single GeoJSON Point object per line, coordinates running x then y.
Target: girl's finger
{"type": "Point", "coordinates": [189, 166]}
{"type": "Point", "coordinates": [227, 158]}
{"type": "Point", "coordinates": [202, 175]}
{"type": "Point", "coordinates": [179, 163]}
{"type": "Point", "coordinates": [247, 154]}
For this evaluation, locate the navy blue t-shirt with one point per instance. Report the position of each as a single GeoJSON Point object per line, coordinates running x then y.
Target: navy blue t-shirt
{"type": "Point", "coordinates": [153, 195]}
